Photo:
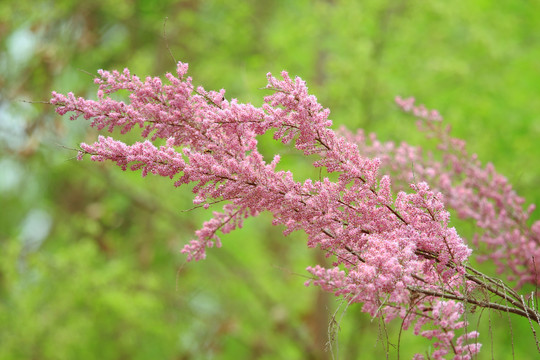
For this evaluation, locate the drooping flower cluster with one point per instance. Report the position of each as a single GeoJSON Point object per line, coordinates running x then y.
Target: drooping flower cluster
{"type": "Point", "coordinates": [446, 319]}
{"type": "Point", "coordinates": [394, 253]}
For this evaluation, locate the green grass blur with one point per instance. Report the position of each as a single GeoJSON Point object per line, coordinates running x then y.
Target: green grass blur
{"type": "Point", "coordinates": [90, 264]}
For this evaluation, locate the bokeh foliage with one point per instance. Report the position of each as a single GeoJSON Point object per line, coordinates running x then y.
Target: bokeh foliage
{"type": "Point", "coordinates": [90, 263]}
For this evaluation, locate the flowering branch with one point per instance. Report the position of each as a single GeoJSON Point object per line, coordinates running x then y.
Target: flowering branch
{"type": "Point", "coordinates": [474, 191]}
{"type": "Point", "coordinates": [393, 252]}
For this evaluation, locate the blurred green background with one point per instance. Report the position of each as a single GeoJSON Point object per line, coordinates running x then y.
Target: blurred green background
{"type": "Point", "coordinates": [90, 264]}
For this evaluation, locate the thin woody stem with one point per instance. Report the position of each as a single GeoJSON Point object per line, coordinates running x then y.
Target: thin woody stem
{"type": "Point", "coordinates": [525, 312]}
{"type": "Point", "coordinates": [518, 307]}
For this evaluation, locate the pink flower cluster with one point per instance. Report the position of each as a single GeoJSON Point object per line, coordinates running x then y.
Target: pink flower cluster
{"type": "Point", "coordinates": [394, 253]}
{"type": "Point", "coordinates": [476, 192]}
{"type": "Point", "coordinates": [446, 319]}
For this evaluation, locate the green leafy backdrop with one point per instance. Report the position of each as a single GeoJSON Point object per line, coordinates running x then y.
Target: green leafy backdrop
{"type": "Point", "coordinates": [90, 264]}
